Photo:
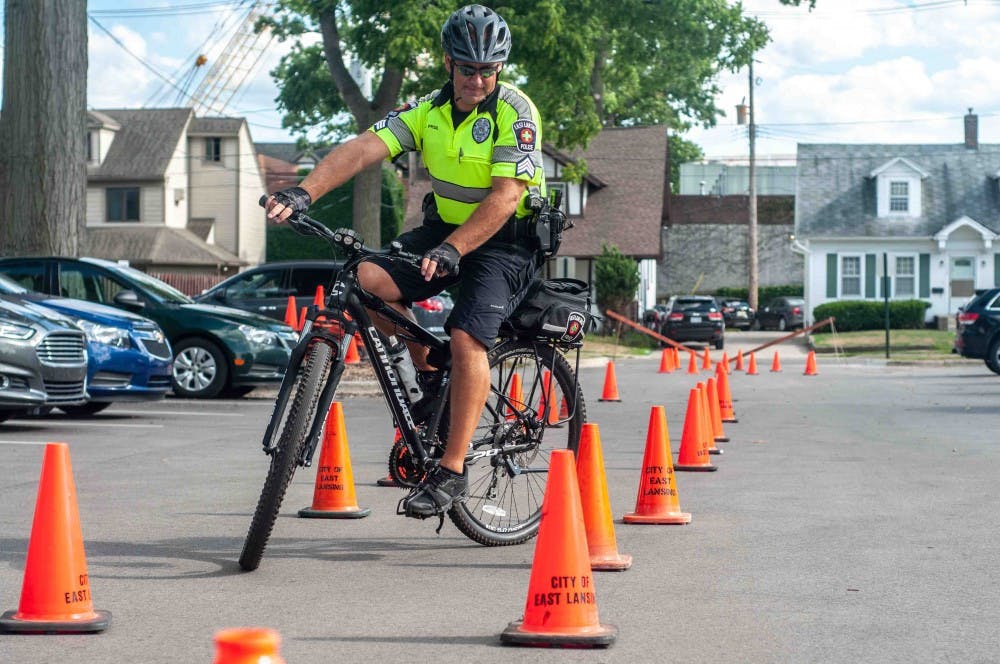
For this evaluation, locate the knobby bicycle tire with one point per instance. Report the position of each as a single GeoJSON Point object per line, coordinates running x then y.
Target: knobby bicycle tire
{"type": "Point", "coordinates": [502, 509]}
{"type": "Point", "coordinates": [295, 420]}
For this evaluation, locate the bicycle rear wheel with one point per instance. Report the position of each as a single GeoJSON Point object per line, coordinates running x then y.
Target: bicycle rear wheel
{"type": "Point", "coordinates": [293, 424]}
{"type": "Point", "coordinates": [509, 458]}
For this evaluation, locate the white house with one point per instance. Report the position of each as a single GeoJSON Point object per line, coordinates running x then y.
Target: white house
{"type": "Point", "coordinates": [926, 216]}
{"type": "Point", "coordinates": [171, 192]}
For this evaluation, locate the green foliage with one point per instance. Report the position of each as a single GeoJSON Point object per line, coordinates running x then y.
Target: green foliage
{"type": "Point", "coordinates": [334, 210]}
{"type": "Point", "coordinates": [764, 293]}
{"type": "Point", "coordinates": [853, 315]}
{"type": "Point", "coordinates": [616, 279]}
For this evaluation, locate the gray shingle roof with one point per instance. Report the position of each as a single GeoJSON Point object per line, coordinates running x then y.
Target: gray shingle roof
{"type": "Point", "coordinates": [836, 196]}
{"type": "Point", "coordinates": [143, 147]}
{"type": "Point", "coordinates": [156, 245]}
{"type": "Point", "coordinates": [215, 126]}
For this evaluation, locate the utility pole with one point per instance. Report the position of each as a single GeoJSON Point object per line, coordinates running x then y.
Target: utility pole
{"type": "Point", "coordinates": [752, 203]}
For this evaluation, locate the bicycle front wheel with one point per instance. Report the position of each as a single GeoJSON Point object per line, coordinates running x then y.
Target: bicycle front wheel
{"type": "Point", "coordinates": [293, 421]}
{"type": "Point", "coordinates": [535, 406]}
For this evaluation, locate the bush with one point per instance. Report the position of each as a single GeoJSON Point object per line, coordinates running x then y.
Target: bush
{"type": "Point", "coordinates": [854, 315]}
{"type": "Point", "coordinates": [616, 279]}
{"type": "Point", "coordinates": [764, 293]}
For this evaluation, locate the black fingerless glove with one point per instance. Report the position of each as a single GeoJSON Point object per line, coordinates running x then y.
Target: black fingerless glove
{"type": "Point", "coordinates": [446, 257]}
{"type": "Point", "coordinates": [296, 198]}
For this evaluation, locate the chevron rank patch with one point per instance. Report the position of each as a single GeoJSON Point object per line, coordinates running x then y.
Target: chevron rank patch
{"type": "Point", "coordinates": [525, 167]}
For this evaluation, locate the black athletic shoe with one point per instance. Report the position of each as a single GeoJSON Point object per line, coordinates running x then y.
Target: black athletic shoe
{"type": "Point", "coordinates": [436, 493]}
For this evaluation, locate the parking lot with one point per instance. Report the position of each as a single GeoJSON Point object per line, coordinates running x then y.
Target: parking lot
{"type": "Point", "coordinates": [851, 520]}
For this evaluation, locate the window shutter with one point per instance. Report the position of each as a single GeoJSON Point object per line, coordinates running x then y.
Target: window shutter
{"type": "Point", "coordinates": [831, 275]}
{"type": "Point", "coordinates": [925, 276]}
{"type": "Point", "coordinates": [996, 269]}
{"type": "Point", "coordinates": [870, 275]}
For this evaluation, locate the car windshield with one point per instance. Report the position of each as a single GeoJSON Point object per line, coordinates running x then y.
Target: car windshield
{"type": "Point", "coordinates": [162, 290]}
{"type": "Point", "coordinates": [11, 287]}
{"type": "Point", "coordinates": [694, 305]}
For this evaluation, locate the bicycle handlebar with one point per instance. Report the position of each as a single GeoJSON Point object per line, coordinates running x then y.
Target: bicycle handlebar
{"type": "Point", "coordinates": [345, 238]}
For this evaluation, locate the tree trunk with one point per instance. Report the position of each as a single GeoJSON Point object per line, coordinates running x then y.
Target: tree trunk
{"type": "Point", "coordinates": [367, 208]}
{"type": "Point", "coordinates": [43, 128]}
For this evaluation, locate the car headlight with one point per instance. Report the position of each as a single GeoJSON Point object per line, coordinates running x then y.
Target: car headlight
{"type": "Point", "coordinates": [15, 331]}
{"type": "Point", "coordinates": [105, 334]}
{"type": "Point", "coordinates": [259, 336]}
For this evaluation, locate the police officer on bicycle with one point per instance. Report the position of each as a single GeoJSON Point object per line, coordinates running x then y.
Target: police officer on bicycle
{"type": "Point", "coordinates": [480, 140]}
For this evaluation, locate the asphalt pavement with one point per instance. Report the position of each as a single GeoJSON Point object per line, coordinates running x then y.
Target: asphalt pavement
{"type": "Point", "coordinates": [853, 519]}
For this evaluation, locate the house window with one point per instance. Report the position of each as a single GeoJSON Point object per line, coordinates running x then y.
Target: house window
{"type": "Point", "coordinates": [213, 149]}
{"type": "Point", "coordinates": [90, 147]}
{"type": "Point", "coordinates": [899, 196]}
{"type": "Point", "coordinates": [850, 276]}
{"type": "Point", "coordinates": [906, 276]}
{"type": "Point", "coordinates": [123, 203]}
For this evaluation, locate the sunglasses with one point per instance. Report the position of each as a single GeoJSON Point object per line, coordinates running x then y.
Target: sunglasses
{"type": "Point", "coordinates": [486, 72]}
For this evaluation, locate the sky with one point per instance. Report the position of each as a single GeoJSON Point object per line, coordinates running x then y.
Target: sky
{"type": "Point", "coordinates": [850, 71]}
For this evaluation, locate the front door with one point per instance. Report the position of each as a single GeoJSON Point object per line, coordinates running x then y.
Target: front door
{"type": "Point", "coordinates": [961, 281]}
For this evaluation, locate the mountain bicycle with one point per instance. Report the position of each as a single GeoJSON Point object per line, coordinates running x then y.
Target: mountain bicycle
{"type": "Point", "coordinates": [535, 405]}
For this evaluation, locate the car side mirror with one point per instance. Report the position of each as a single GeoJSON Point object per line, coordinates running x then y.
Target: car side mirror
{"type": "Point", "coordinates": [219, 295]}
{"type": "Point", "coordinates": [128, 298]}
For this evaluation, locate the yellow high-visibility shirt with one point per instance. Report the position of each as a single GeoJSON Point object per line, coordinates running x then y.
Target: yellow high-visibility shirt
{"type": "Point", "coordinates": [500, 138]}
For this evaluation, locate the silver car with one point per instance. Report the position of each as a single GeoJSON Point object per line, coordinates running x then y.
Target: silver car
{"type": "Point", "coordinates": [43, 359]}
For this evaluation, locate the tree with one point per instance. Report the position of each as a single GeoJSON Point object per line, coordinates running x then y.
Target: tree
{"type": "Point", "coordinates": [43, 128]}
{"type": "Point", "coordinates": [616, 279]}
{"type": "Point", "coordinates": [585, 64]}
{"type": "Point", "coordinates": [681, 152]}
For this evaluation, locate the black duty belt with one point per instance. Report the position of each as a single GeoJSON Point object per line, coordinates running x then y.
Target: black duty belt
{"type": "Point", "coordinates": [515, 230]}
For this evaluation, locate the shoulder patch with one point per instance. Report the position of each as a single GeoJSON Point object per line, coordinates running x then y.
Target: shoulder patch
{"type": "Point", "coordinates": [481, 130]}
{"type": "Point", "coordinates": [525, 167]}
{"type": "Point", "coordinates": [525, 131]}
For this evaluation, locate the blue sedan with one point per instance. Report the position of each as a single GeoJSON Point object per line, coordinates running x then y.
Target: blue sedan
{"type": "Point", "coordinates": [129, 358]}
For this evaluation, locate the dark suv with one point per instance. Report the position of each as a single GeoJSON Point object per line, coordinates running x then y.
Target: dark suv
{"type": "Point", "coordinates": [782, 313]}
{"type": "Point", "coordinates": [264, 289]}
{"type": "Point", "coordinates": [695, 318]}
{"type": "Point", "coordinates": [978, 333]}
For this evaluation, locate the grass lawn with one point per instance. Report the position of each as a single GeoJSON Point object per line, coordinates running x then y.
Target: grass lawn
{"type": "Point", "coordinates": [903, 344]}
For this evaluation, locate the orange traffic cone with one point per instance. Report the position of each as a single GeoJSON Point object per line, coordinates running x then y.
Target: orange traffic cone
{"type": "Point", "coordinates": [561, 609]}
{"type": "Point", "coordinates": [610, 392]}
{"type": "Point", "coordinates": [677, 357]}
{"type": "Point", "coordinates": [547, 408]}
{"type": "Point", "coordinates": [596, 505]}
{"type": "Point", "coordinates": [657, 501]}
{"type": "Point", "coordinates": [666, 361]}
{"type": "Point", "coordinates": [708, 437]}
{"type": "Point", "coordinates": [776, 363]}
{"type": "Point", "coordinates": [692, 363]}
{"type": "Point", "coordinates": [55, 594]}
{"type": "Point", "coordinates": [388, 480]}
{"type": "Point", "coordinates": [302, 319]}
{"type": "Point", "coordinates": [333, 496]}
{"type": "Point", "coordinates": [247, 645]}
{"type": "Point", "coordinates": [319, 299]}
{"type": "Point", "coordinates": [712, 391]}
{"type": "Point", "coordinates": [563, 409]}
{"type": "Point", "coordinates": [516, 397]}
{"type": "Point", "coordinates": [724, 363]}
{"type": "Point", "coordinates": [693, 454]}
{"type": "Point", "coordinates": [752, 366]}
{"type": "Point", "coordinates": [810, 364]}
{"type": "Point", "coordinates": [739, 360]}
{"type": "Point", "coordinates": [291, 319]}
{"type": "Point", "coordinates": [352, 356]}
{"type": "Point", "coordinates": [706, 360]}
{"type": "Point", "coordinates": [725, 398]}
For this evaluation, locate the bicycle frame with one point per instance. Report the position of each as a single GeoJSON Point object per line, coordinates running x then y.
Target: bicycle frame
{"type": "Point", "coordinates": [348, 304]}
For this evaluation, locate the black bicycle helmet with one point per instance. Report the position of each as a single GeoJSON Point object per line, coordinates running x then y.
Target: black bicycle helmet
{"type": "Point", "coordinates": [476, 34]}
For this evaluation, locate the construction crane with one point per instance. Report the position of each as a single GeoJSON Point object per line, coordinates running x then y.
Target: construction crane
{"type": "Point", "coordinates": [234, 65]}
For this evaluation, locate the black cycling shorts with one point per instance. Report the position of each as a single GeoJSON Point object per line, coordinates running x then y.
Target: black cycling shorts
{"type": "Point", "coordinates": [492, 280]}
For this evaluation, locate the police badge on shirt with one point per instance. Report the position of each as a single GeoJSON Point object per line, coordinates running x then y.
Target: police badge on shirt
{"type": "Point", "coordinates": [481, 130]}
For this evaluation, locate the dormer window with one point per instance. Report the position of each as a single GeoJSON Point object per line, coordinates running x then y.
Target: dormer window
{"type": "Point", "coordinates": [899, 196]}
{"type": "Point", "coordinates": [897, 188]}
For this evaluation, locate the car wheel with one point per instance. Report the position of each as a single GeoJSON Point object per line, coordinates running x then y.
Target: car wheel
{"type": "Point", "coordinates": [782, 324]}
{"type": "Point", "coordinates": [993, 356]}
{"type": "Point", "coordinates": [755, 325]}
{"type": "Point", "coordinates": [87, 409]}
{"type": "Point", "coordinates": [199, 369]}
{"type": "Point", "coordinates": [720, 344]}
